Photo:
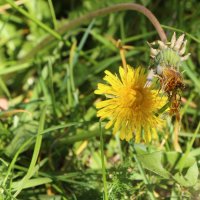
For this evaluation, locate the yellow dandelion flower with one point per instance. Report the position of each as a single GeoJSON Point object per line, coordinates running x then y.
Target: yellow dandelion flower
{"type": "Point", "coordinates": [130, 106]}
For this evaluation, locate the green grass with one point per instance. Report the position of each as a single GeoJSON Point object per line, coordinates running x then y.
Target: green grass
{"type": "Point", "coordinates": [56, 149]}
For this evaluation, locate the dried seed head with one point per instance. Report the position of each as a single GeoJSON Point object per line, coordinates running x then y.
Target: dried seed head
{"type": "Point", "coordinates": [173, 40]}
{"type": "Point", "coordinates": [161, 45]}
{"type": "Point", "coordinates": [153, 52]}
{"type": "Point", "coordinates": [169, 54]}
{"type": "Point", "coordinates": [183, 48]}
{"type": "Point", "coordinates": [185, 57]}
{"type": "Point", "coordinates": [179, 43]}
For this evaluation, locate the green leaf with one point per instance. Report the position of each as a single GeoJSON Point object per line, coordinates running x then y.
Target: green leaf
{"type": "Point", "coordinates": [32, 183]}
{"type": "Point", "coordinates": [38, 142]}
{"type": "Point", "coordinates": [190, 178]}
{"type": "Point", "coordinates": [172, 158]}
{"type": "Point", "coordinates": [152, 162]}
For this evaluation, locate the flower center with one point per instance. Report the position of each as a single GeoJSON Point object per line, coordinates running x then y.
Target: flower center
{"type": "Point", "coordinates": [139, 97]}
{"type": "Point", "coordinates": [132, 98]}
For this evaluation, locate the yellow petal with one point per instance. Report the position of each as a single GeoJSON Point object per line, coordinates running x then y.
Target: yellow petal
{"type": "Point", "coordinates": [129, 135]}
{"type": "Point", "coordinates": [104, 103]}
{"type": "Point", "coordinates": [154, 134]}
{"type": "Point", "coordinates": [138, 134]}
{"type": "Point", "coordinates": [147, 134]}
{"type": "Point", "coordinates": [111, 79]}
{"type": "Point", "coordinates": [109, 124]}
{"type": "Point", "coordinates": [117, 125]}
{"type": "Point", "coordinates": [122, 135]}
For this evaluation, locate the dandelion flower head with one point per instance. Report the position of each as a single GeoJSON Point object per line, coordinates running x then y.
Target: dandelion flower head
{"type": "Point", "coordinates": [130, 106]}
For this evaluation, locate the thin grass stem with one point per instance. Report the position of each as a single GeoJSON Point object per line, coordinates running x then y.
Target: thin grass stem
{"type": "Point", "coordinates": [11, 166]}
{"type": "Point", "coordinates": [185, 156]}
{"type": "Point", "coordinates": [36, 21]}
{"type": "Point", "coordinates": [103, 164]}
{"type": "Point", "coordinates": [181, 31]}
{"type": "Point", "coordinates": [52, 13]}
{"type": "Point", "coordinates": [53, 100]}
{"type": "Point", "coordinates": [36, 150]}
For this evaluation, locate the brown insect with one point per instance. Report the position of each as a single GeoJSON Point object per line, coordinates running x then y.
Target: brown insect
{"type": "Point", "coordinates": [172, 83]}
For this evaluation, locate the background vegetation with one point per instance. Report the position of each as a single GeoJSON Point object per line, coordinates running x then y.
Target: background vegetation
{"type": "Point", "coordinates": [52, 150]}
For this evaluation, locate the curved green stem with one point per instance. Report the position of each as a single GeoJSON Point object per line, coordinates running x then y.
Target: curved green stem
{"type": "Point", "coordinates": [101, 12]}
{"type": "Point", "coordinates": [116, 8]}
{"type": "Point", "coordinates": [182, 31]}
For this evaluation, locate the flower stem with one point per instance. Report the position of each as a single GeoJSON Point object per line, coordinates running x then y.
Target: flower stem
{"type": "Point", "coordinates": [146, 181]}
{"type": "Point", "coordinates": [101, 12]}
{"type": "Point", "coordinates": [116, 8]}
{"type": "Point", "coordinates": [122, 54]}
{"type": "Point", "coordinates": [103, 164]}
{"type": "Point", "coordinates": [176, 133]}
